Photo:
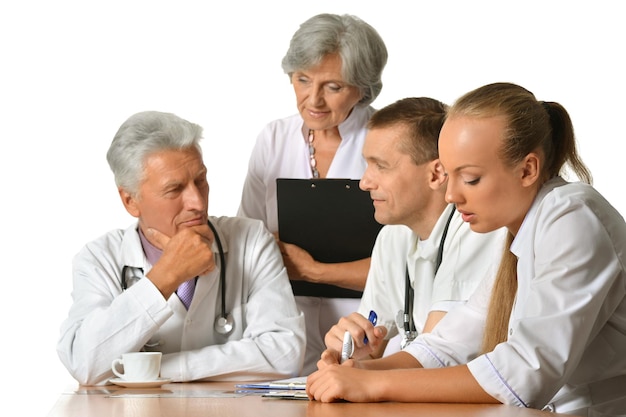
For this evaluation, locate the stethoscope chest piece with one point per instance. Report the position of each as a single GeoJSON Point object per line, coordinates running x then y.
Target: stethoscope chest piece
{"type": "Point", "coordinates": [406, 328]}
{"type": "Point", "coordinates": [224, 324]}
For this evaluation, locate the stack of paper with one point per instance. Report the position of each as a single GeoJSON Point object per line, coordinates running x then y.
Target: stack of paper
{"type": "Point", "coordinates": [291, 388]}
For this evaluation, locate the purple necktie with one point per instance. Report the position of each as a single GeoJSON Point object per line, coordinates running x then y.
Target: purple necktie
{"type": "Point", "coordinates": [185, 292]}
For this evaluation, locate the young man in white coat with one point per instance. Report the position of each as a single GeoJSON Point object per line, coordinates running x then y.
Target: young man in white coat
{"type": "Point", "coordinates": [130, 286]}
{"type": "Point", "coordinates": [426, 260]}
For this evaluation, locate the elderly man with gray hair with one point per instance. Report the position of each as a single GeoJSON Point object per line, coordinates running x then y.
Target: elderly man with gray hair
{"type": "Point", "coordinates": [210, 293]}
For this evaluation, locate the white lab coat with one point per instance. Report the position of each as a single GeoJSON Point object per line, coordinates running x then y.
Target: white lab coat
{"type": "Point", "coordinates": [282, 151]}
{"type": "Point", "coordinates": [468, 257]}
{"type": "Point", "coordinates": [104, 322]}
{"type": "Point", "coordinates": [566, 348]}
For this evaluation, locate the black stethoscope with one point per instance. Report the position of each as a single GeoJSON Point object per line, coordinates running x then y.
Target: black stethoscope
{"type": "Point", "coordinates": [224, 324]}
{"type": "Point", "coordinates": [410, 332]}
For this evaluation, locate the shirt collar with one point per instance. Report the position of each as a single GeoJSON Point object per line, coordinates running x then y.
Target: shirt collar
{"type": "Point", "coordinates": [428, 249]}
{"type": "Point", "coordinates": [152, 252]}
{"type": "Point", "coordinates": [131, 251]}
{"type": "Point", "coordinates": [355, 121]}
{"type": "Point", "coordinates": [524, 233]}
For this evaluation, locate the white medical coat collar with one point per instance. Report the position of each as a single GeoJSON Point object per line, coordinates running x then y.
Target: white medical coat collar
{"type": "Point", "coordinates": [523, 235]}
{"type": "Point", "coordinates": [348, 129]}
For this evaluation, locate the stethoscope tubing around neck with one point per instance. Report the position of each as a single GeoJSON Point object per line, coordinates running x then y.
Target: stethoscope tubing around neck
{"type": "Point", "coordinates": [220, 248]}
{"type": "Point", "coordinates": [409, 324]}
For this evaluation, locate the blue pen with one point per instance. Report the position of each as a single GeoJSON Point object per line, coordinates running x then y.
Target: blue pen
{"type": "Point", "coordinates": [373, 318]}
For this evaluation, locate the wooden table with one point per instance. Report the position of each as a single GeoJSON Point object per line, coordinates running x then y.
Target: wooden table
{"type": "Point", "coordinates": [218, 399]}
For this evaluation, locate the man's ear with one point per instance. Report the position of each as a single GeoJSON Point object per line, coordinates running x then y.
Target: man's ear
{"type": "Point", "coordinates": [130, 202]}
{"type": "Point", "coordinates": [530, 170]}
{"type": "Point", "coordinates": [437, 174]}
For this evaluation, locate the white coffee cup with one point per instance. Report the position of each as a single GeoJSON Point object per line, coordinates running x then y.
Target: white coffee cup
{"type": "Point", "coordinates": [138, 366]}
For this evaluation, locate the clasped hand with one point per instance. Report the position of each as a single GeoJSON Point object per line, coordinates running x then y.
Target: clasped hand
{"type": "Point", "coordinates": [334, 382]}
{"type": "Point", "coordinates": [348, 380]}
{"type": "Point", "coordinates": [187, 254]}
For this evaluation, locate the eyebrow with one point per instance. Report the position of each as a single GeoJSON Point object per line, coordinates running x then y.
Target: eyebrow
{"type": "Point", "coordinates": [376, 160]}
{"type": "Point", "coordinates": [172, 183]}
{"type": "Point", "coordinates": [462, 167]}
{"type": "Point", "coordinates": [306, 74]}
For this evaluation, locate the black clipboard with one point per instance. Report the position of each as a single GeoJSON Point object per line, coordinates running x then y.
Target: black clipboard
{"type": "Point", "coordinates": [332, 219]}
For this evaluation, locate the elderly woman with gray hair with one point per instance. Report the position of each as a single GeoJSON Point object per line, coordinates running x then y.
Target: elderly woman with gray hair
{"type": "Point", "coordinates": [334, 63]}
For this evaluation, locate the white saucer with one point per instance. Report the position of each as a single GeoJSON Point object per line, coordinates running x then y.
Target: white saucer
{"type": "Point", "coordinates": [140, 384]}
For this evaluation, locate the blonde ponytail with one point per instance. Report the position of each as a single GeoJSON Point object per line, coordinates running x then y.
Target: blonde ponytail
{"type": "Point", "coordinates": [502, 298]}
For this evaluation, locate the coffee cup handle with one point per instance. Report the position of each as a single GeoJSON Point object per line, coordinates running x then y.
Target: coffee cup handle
{"type": "Point", "coordinates": [114, 364]}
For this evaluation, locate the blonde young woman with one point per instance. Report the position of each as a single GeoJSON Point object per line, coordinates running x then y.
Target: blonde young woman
{"type": "Point", "coordinates": [550, 332]}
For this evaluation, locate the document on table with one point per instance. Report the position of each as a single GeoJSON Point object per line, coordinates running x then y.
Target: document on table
{"type": "Point", "coordinates": [288, 395]}
{"type": "Point", "coordinates": [296, 383]}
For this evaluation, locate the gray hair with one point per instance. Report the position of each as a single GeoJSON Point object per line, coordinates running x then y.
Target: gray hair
{"type": "Point", "coordinates": [363, 52]}
{"type": "Point", "coordinates": [143, 134]}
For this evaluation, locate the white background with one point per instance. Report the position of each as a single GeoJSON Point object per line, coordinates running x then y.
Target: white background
{"type": "Point", "coordinates": [72, 71]}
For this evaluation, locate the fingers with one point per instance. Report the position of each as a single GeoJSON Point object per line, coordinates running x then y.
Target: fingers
{"type": "Point", "coordinates": [161, 240]}
{"type": "Point", "coordinates": [329, 384]}
{"type": "Point", "coordinates": [329, 357]}
{"type": "Point", "coordinates": [299, 263]}
{"type": "Point", "coordinates": [334, 337]}
{"type": "Point", "coordinates": [380, 332]}
{"type": "Point", "coordinates": [360, 328]}
{"type": "Point", "coordinates": [158, 239]}
{"type": "Point", "coordinates": [196, 248]}
{"type": "Point", "coordinates": [187, 254]}
{"type": "Point", "coordinates": [205, 231]}
{"type": "Point", "coordinates": [317, 386]}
